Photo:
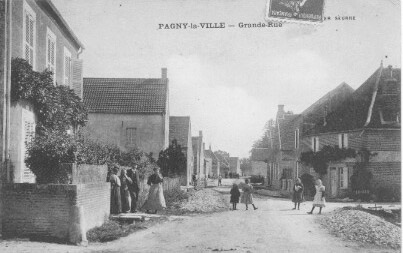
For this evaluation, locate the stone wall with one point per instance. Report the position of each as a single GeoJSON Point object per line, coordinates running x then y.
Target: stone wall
{"type": "Point", "coordinates": [50, 210]}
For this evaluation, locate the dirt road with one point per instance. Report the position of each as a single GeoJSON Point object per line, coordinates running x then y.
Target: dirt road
{"type": "Point", "coordinates": [274, 227]}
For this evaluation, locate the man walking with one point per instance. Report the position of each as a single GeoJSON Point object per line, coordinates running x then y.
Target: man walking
{"type": "Point", "coordinates": [134, 187]}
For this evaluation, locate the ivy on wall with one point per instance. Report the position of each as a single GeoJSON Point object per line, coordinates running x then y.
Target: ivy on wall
{"type": "Point", "coordinates": [321, 159]}
{"type": "Point", "coordinates": [56, 107]}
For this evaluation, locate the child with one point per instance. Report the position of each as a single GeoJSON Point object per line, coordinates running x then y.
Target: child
{"type": "Point", "coordinates": [235, 193]}
{"type": "Point", "coordinates": [298, 193]}
{"type": "Point", "coordinates": [247, 197]}
{"type": "Point", "coordinates": [319, 199]}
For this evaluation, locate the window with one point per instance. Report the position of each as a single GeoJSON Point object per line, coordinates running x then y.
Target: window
{"type": "Point", "coordinates": [296, 139]}
{"type": "Point", "coordinates": [343, 178]}
{"type": "Point", "coordinates": [51, 53]}
{"type": "Point", "coordinates": [67, 67]}
{"type": "Point", "coordinates": [29, 35]}
{"type": "Point", "coordinates": [315, 144]}
{"type": "Point", "coordinates": [343, 140]}
{"type": "Point", "coordinates": [131, 135]}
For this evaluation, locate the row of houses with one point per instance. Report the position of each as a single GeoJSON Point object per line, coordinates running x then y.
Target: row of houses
{"type": "Point", "coordinates": [126, 112]}
{"type": "Point", "coordinates": [367, 118]}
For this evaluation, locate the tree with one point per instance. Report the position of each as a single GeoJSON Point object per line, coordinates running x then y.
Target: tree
{"type": "Point", "coordinates": [246, 165]}
{"type": "Point", "coordinates": [172, 160]}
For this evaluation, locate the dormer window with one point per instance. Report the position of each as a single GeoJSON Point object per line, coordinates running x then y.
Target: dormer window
{"type": "Point", "coordinates": [389, 117]}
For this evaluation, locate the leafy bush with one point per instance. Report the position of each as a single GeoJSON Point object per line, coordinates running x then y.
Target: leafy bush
{"type": "Point", "coordinates": [46, 152]}
{"type": "Point", "coordinates": [172, 160]}
{"type": "Point", "coordinates": [320, 160]}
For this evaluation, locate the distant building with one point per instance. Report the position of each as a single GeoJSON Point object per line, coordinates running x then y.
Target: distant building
{"type": "Point", "coordinates": [43, 38]}
{"type": "Point", "coordinates": [222, 164]}
{"type": "Point", "coordinates": [180, 130]}
{"type": "Point", "coordinates": [212, 164]}
{"type": "Point", "coordinates": [258, 160]}
{"type": "Point", "coordinates": [198, 156]}
{"type": "Point", "coordinates": [129, 112]}
{"type": "Point", "coordinates": [234, 165]}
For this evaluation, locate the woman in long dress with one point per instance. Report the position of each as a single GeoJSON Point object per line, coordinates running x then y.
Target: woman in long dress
{"type": "Point", "coordinates": [124, 191]}
{"type": "Point", "coordinates": [319, 199]}
{"type": "Point", "coordinates": [247, 197]}
{"type": "Point", "coordinates": [116, 204]}
{"type": "Point", "coordinates": [155, 200]}
{"type": "Point", "coordinates": [298, 193]}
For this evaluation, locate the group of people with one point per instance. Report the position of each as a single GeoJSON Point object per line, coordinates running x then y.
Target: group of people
{"type": "Point", "coordinates": [247, 196]}
{"type": "Point", "coordinates": [125, 190]}
{"type": "Point", "coordinates": [318, 200]}
{"type": "Point", "coordinates": [297, 197]}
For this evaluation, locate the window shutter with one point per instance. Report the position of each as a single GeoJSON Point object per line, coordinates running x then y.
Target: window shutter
{"type": "Point", "coordinates": [77, 77]}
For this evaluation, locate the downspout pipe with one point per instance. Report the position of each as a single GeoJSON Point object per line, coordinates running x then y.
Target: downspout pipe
{"type": "Point", "coordinates": [7, 88]}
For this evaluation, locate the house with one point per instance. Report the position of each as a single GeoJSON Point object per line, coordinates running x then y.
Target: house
{"type": "Point", "coordinates": [368, 120]}
{"type": "Point", "coordinates": [285, 133]}
{"type": "Point", "coordinates": [215, 162]}
{"type": "Point", "coordinates": [211, 161]}
{"type": "Point", "coordinates": [222, 164]}
{"type": "Point", "coordinates": [40, 35]}
{"type": "Point", "coordinates": [129, 112]}
{"type": "Point", "coordinates": [198, 156]}
{"type": "Point", "coordinates": [259, 158]}
{"type": "Point", "coordinates": [234, 165]}
{"type": "Point", "coordinates": [180, 130]}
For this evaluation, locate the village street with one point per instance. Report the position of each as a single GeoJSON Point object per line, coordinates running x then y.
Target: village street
{"type": "Point", "coordinates": [274, 227]}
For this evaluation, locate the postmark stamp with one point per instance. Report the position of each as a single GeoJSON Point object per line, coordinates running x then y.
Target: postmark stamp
{"type": "Point", "coordinates": [301, 11]}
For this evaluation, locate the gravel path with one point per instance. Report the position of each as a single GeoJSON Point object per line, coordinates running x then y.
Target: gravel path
{"type": "Point", "coordinates": [274, 227]}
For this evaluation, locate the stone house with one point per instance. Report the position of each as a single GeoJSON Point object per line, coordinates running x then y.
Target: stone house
{"type": "Point", "coordinates": [39, 34]}
{"type": "Point", "coordinates": [209, 158]}
{"type": "Point", "coordinates": [222, 165]}
{"type": "Point", "coordinates": [259, 158]}
{"type": "Point", "coordinates": [180, 130]}
{"type": "Point", "coordinates": [129, 112]}
{"type": "Point", "coordinates": [285, 133]}
{"type": "Point", "coordinates": [369, 120]}
{"type": "Point", "coordinates": [198, 156]}
{"type": "Point", "coordinates": [234, 165]}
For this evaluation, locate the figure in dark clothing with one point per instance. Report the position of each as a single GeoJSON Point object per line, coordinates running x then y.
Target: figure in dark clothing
{"type": "Point", "coordinates": [134, 187]}
{"type": "Point", "coordinates": [219, 180]}
{"type": "Point", "coordinates": [235, 194]}
{"type": "Point", "coordinates": [125, 181]}
{"type": "Point", "coordinates": [297, 193]}
{"type": "Point", "coordinates": [116, 204]}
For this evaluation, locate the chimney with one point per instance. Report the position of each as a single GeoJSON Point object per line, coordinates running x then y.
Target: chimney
{"type": "Point", "coordinates": [164, 73]}
{"type": "Point", "coordinates": [209, 147]}
{"type": "Point", "coordinates": [200, 133]}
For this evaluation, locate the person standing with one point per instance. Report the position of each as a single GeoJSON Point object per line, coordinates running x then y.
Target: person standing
{"type": "Point", "coordinates": [125, 181]}
{"type": "Point", "coordinates": [134, 187]}
{"type": "Point", "coordinates": [297, 193]}
{"type": "Point", "coordinates": [247, 197]}
{"type": "Point", "coordinates": [319, 199]}
{"type": "Point", "coordinates": [155, 200]}
{"type": "Point", "coordinates": [235, 194]}
{"type": "Point", "coordinates": [116, 204]}
{"type": "Point", "coordinates": [219, 180]}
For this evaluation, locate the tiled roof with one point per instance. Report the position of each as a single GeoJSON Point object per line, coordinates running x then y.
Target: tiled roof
{"type": "Point", "coordinates": [179, 128]}
{"type": "Point", "coordinates": [209, 154]}
{"type": "Point", "coordinates": [260, 154]}
{"type": "Point", "coordinates": [354, 112]}
{"type": "Point", "coordinates": [287, 128]}
{"type": "Point", "coordinates": [126, 95]}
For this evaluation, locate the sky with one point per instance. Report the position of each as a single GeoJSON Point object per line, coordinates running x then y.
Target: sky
{"type": "Point", "coordinates": [230, 81]}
